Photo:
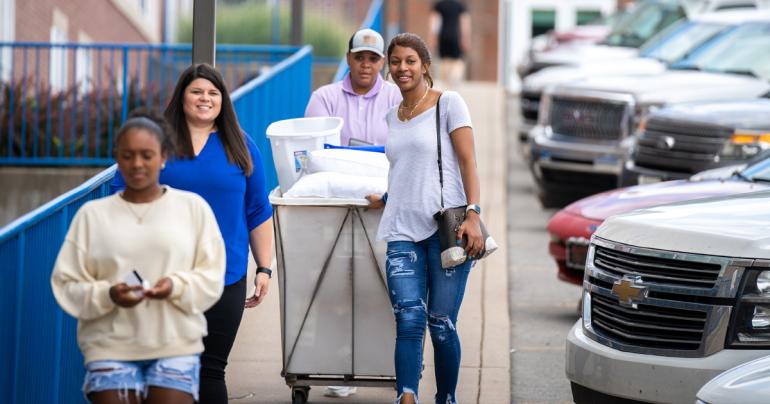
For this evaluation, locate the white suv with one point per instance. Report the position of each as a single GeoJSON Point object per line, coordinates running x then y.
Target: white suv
{"type": "Point", "coordinates": [672, 296]}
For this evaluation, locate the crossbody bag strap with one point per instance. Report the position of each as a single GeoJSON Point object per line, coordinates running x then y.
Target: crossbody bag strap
{"type": "Point", "coordinates": [438, 143]}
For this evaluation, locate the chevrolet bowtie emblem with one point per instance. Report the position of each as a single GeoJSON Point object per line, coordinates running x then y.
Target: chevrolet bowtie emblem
{"type": "Point", "coordinates": [629, 290]}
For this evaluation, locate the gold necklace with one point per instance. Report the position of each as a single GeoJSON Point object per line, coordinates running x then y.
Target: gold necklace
{"type": "Point", "coordinates": [140, 218]}
{"type": "Point", "coordinates": [411, 111]}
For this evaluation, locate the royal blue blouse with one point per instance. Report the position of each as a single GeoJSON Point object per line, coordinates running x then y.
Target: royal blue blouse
{"type": "Point", "coordinates": [240, 203]}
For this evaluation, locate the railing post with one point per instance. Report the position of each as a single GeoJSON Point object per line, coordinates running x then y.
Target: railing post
{"type": "Point", "coordinates": [23, 101]}
{"type": "Point", "coordinates": [17, 322]}
{"type": "Point", "coordinates": [57, 329]}
{"type": "Point", "coordinates": [11, 111]}
{"type": "Point", "coordinates": [36, 114]}
{"type": "Point", "coordinates": [124, 79]}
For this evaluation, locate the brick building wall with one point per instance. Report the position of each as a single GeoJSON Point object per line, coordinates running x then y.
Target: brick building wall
{"type": "Point", "coordinates": [101, 20]}
{"type": "Point", "coordinates": [482, 60]}
{"type": "Point", "coordinates": [83, 21]}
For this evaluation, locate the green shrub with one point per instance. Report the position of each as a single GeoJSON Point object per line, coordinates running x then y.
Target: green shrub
{"type": "Point", "coordinates": [251, 23]}
{"type": "Point", "coordinates": [68, 115]}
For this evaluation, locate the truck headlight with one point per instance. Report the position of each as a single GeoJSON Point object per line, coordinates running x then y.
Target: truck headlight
{"type": "Point", "coordinates": [751, 321]}
{"type": "Point", "coordinates": [641, 115]}
{"type": "Point", "coordinates": [763, 282]}
{"type": "Point", "coordinates": [744, 144]}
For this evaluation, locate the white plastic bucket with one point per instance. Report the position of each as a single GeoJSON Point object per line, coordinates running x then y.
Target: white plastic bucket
{"type": "Point", "coordinates": [292, 139]}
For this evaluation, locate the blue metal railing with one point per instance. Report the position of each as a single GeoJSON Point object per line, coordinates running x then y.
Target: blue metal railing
{"type": "Point", "coordinates": [374, 21]}
{"type": "Point", "coordinates": [41, 362]}
{"type": "Point", "coordinates": [283, 94]}
{"type": "Point", "coordinates": [64, 101]}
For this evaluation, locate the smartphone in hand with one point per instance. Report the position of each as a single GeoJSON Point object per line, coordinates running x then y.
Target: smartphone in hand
{"type": "Point", "coordinates": [134, 279]}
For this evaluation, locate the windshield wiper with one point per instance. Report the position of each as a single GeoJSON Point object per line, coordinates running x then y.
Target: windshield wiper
{"type": "Point", "coordinates": [742, 72]}
{"type": "Point", "coordinates": [686, 67]}
{"type": "Point", "coordinates": [743, 176]}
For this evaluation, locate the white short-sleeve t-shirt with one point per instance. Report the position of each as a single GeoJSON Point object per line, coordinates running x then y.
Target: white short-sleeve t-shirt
{"type": "Point", "coordinates": [413, 181]}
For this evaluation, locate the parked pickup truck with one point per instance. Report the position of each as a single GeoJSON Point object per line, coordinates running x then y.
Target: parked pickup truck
{"type": "Point", "coordinates": [586, 128]}
{"type": "Point", "coordinates": [666, 48]}
{"type": "Point", "coordinates": [672, 296]}
{"type": "Point", "coordinates": [683, 139]}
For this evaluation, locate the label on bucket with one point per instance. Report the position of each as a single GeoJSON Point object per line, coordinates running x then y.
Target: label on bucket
{"type": "Point", "coordinates": [300, 157]}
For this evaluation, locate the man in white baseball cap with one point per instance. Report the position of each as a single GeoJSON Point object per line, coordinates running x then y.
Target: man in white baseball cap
{"type": "Point", "coordinates": [363, 97]}
{"type": "Point", "coordinates": [367, 40]}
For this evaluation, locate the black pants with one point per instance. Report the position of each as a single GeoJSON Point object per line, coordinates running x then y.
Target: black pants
{"type": "Point", "coordinates": [223, 320]}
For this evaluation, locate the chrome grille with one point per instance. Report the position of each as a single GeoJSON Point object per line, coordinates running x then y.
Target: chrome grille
{"type": "Point", "coordinates": [683, 147]}
{"type": "Point", "coordinates": [588, 119]}
{"type": "Point", "coordinates": [530, 105]}
{"type": "Point", "coordinates": [647, 325]}
{"type": "Point", "coordinates": [661, 271]}
{"type": "Point", "coordinates": [659, 302]}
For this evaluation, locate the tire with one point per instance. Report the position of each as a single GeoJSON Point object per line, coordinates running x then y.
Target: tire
{"type": "Point", "coordinates": [627, 178]}
{"type": "Point", "coordinates": [584, 395]}
{"type": "Point", "coordinates": [299, 395]}
{"type": "Point", "coordinates": [548, 200]}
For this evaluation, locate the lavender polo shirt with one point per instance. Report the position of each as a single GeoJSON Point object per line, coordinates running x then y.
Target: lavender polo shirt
{"type": "Point", "coordinates": [364, 115]}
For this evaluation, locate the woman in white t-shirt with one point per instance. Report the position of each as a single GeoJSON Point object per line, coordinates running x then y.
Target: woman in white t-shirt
{"type": "Point", "coordinates": [420, 290]}
{"type": "Point", "coordinates": [138, 269]}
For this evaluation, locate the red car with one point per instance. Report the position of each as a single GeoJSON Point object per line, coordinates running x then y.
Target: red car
{"type": "Point", "coordinates": [571, 228]}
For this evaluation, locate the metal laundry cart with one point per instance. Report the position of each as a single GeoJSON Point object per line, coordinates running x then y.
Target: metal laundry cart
{"type": "Point", "coordinates": [337, 326]}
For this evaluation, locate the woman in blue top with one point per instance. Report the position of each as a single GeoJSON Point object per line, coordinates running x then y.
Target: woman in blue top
{"type": "Point", "coordinates": [216, 160]}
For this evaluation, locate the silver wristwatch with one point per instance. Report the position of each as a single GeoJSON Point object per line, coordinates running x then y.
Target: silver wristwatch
{"type": "Point", "coordinates": [473, 207]}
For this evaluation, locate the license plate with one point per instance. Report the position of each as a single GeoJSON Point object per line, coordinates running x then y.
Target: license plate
{"type": "Point", "coordinates": [577, 251]}
{"type": "Point", "coordinates": [648, 179]}
{"type": "Point", "coordinates": [606, 161]}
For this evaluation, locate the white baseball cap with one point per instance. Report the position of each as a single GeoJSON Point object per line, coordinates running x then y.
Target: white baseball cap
{"type": "Point", "coordinates": [367, 40]}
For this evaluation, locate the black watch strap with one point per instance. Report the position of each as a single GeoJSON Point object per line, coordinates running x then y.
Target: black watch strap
{"type": "Point", "coordinates": [265, 270]}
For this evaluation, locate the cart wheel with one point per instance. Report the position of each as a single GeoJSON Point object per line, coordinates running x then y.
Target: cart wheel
{"type": "Point", "coordinates": [299, 395]}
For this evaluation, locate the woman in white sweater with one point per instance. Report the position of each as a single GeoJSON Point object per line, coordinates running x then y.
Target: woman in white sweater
{"type": "Point", "coordinates": [138, 269]}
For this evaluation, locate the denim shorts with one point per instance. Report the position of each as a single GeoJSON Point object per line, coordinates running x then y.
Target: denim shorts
{"type": "Point", "coordinates": [176, 372]}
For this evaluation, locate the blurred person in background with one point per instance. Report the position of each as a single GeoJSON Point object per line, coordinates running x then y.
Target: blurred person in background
{"type": "Point", "coordinates": [141, 343]}
{"type": "Point", "coordinates": [218, 161]}
{"type": "Point", "coordinates": [450, 27]}
{"type": "Point", "coordinates": [363, 97]}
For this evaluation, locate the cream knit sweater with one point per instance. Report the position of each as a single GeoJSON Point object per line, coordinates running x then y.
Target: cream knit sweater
{"type": "Point", "coordinates": [178, 237]}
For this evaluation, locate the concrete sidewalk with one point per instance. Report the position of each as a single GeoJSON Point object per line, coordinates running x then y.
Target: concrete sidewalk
{"type": "Point", "coordinates": [254, 372]}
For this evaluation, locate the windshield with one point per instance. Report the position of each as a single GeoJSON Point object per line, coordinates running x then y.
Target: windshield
{"type": "Point", "coordinates": [744, 50]}
{"type": "Point", "coordinates": [610, 20]}
{"type": "Point", "coordinates": [759, 171]}
{"type": "Point", "coordinates": [642, 23]}
{"type": "Point", "coordinates": [680, 39]}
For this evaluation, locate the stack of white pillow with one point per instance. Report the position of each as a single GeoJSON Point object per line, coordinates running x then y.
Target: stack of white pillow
{"type": "Point", "coordinates": [342, 173]}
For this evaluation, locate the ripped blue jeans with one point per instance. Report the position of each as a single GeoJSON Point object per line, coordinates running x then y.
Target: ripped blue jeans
{"type": "Point", "coordinates": [135, 377]}
{"type": "Point", "coordinates": [422, 292]}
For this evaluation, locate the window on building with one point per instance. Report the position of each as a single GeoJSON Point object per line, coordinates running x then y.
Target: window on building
{"type": "Point", "coordinates": [543, 21]}
{"type": "Point", "coordinates": [57, 73]}
{"type": "Point", "coordinates": [7, 28]}
{"type": "Point", "coordinates": [84, 65]}
{"type": "Point", "coordinates": [585, 17]}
